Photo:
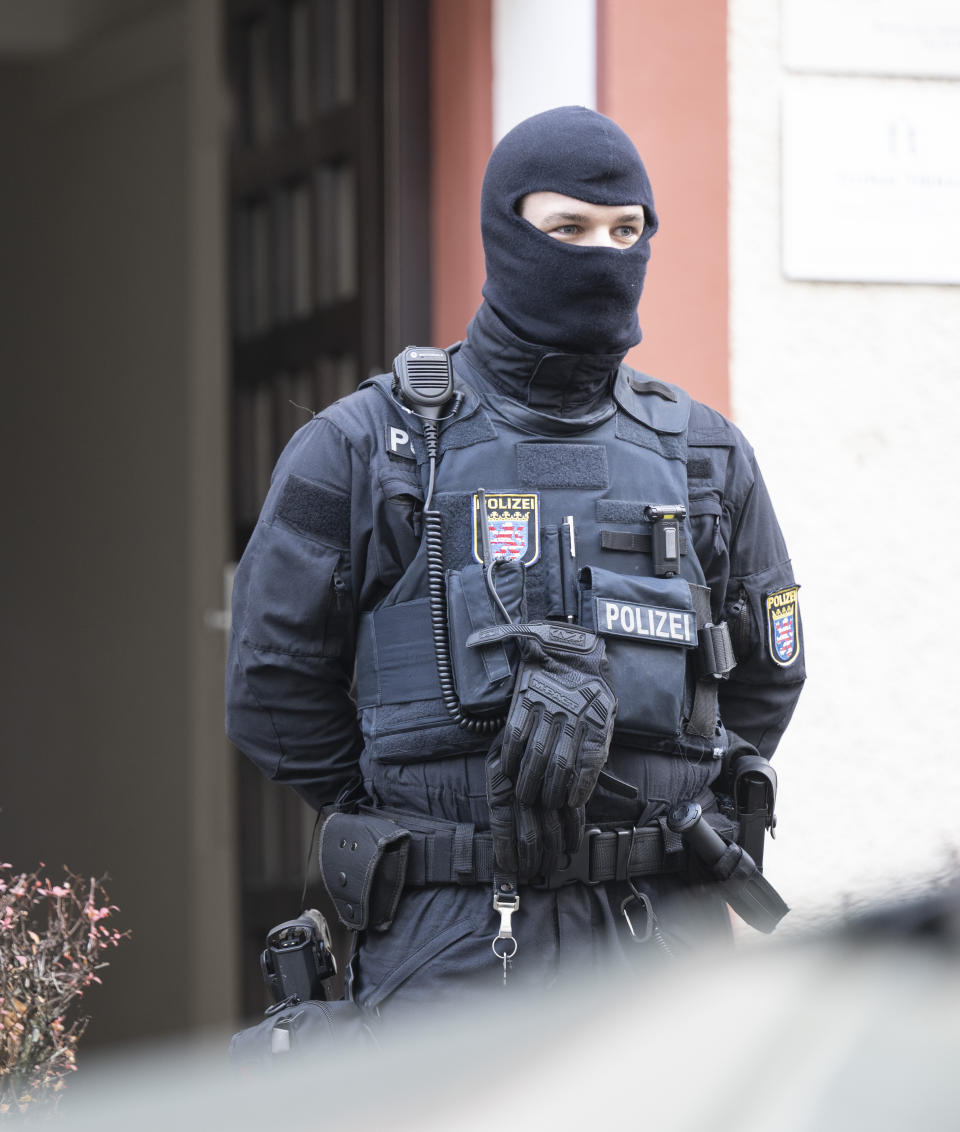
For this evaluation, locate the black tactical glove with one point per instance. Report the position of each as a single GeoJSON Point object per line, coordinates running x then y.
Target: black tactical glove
{"type": "Point", "coordinates": [554, 743]}
{"type": "Point", "coordinates": [522, 837]}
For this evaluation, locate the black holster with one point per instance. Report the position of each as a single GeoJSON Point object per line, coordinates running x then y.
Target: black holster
{"type": "Point", "coordinates": [747, 891]}
{"type": "Point", "coordinates": [363, 861]}
{"type": "Point", "coordinates": [755, 795]}
{"type": "Point", "coordinates": [742, 884]}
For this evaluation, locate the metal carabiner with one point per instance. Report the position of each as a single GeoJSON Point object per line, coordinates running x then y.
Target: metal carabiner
{"type": "Point", "coordinates": [653, 929]}
{"type": "Point", "coordinates": [505, 903]}
{"type": "Point", "coordinates": [643, 900]}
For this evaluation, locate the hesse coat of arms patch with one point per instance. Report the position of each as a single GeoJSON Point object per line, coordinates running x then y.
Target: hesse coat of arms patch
{"type": "Point", "coordinates": [513, 524]}
{"type": "Point", "coordinates": [783, 626]}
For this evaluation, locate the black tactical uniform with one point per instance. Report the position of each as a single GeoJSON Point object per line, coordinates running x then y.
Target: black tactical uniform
{"type": "Point", "coordinates": [568, 458]}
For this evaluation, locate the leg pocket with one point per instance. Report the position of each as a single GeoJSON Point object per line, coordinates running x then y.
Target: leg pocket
{"type": "Point", "coordinates": [439, 939]}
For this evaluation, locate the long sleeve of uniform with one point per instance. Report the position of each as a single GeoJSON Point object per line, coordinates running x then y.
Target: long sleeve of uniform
{"type": "Point", "coordinates": [290, 661]}
{"type": "Point", "coordinates": [336, 532]}
{"type": "Point", "coordinates": [745, 559]}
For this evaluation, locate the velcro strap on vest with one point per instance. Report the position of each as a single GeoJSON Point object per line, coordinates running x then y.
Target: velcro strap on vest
{"type": "Point", "coordinates": [716, 661]}
{"type": "Point", "coordinates": [626, 540]}
{"type": "Point", "coordinates": [717, 658]}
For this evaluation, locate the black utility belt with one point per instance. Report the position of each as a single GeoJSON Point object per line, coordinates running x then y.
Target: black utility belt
{"type": "Point", "coordinates": [368, 858]}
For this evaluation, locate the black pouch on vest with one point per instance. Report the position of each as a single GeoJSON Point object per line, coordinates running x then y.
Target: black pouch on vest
{"type": "Point", "coordinates": [484, 676]}
{"type": "Point", "coordinates": [363, 861]}
{"type": "Point", "coordinates": [649, 625]}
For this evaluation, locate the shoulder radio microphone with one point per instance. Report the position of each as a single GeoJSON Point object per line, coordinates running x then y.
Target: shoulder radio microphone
{"type": "Point", "coordinates": [423, 379]}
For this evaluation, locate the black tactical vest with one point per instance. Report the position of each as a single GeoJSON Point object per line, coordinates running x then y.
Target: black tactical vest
{"type": "Point", "coordinates": [570, 518]}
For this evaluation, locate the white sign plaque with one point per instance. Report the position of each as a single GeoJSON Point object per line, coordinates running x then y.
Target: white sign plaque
{"type": "Point", "coordinates": [871, 181]}
{"type": "Point", "coordinates": [872, 37]}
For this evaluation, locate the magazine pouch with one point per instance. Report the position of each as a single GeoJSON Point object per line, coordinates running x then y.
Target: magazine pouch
{"type": "Point", "coordinates": [484, 676]}
{"type": "Point", "coordinates": [650, 627]}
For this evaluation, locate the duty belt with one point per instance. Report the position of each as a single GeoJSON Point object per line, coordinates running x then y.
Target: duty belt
{"type": "Point", "coordinates": [367, 859]}
{"type": "Point", "coordinates": [442, 852]}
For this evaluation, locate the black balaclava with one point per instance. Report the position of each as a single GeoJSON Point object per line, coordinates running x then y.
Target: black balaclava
{"type": "Point", "coordinates": [580, 300]}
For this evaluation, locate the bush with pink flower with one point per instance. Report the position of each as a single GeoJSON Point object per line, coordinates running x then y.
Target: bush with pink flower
{"type": "Point", "coordinates": [53, 940]}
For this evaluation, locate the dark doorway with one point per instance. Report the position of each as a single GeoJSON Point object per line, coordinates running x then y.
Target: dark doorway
{"type": "Point", "coordinates": [329, 215]}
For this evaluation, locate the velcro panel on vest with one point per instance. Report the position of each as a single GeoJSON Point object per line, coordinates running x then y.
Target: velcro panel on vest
{"type": "Point", "coordinates": [456, 510]}
{"type": "Point", "coordinates": [464, 432]}
{"type": "Point", "coordinates": [563, 465]}
{"type": "Point", "coordinates": [699, 468]}
{"type": "Point", "coordinates": [315, 510]}
{"type": "Point", "coordinates": [621, 511]}
{"type": "Point", "coordinates": [396, 662]}
{"type": "Point", "coordinates": [672, 447]}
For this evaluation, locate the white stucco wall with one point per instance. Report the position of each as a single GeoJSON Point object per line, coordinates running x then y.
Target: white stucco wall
{"type": "Point", "coordinates": [850, 394]}
{"type": "Point", "coordinates": [544, 55]}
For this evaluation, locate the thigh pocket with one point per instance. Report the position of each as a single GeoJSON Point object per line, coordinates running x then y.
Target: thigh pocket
{"type": "Point", "coordinates": [650, 626]}
{"type": "Point", "coordinates": [428, 948]}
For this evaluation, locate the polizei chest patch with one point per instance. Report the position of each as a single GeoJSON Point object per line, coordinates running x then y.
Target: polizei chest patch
{"type": "Point", "coordinates": [783, 626]}
{"type": "Point", "coordinates": [512, 525]}
{"type": "Point", "coordinates": [646, 622]}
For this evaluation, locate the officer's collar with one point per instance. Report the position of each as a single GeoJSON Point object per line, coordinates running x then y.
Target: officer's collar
{"type": "Point", "coordinates": [559, 385]}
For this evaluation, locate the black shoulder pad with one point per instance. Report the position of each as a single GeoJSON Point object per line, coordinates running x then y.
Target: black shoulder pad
{"type": "Point", "coordinates": [709, 429]}
{"type": "Point", "coordinates": [382, 381]}
{"type": "Point", "coordinates": [656, 404]}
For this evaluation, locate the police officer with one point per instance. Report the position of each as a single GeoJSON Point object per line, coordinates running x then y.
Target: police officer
{"type": "Point", "coordinates": [564, 596]}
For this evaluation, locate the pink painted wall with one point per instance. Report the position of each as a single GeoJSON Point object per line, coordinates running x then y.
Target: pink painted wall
{"type": "Point", "coordinates": [662, 74]}
{"type": "Point", "coordinates": [462, 137]}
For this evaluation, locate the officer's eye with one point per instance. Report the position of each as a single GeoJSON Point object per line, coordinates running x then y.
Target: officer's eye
{"type": "Point", "coordinates": [626, 232]}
